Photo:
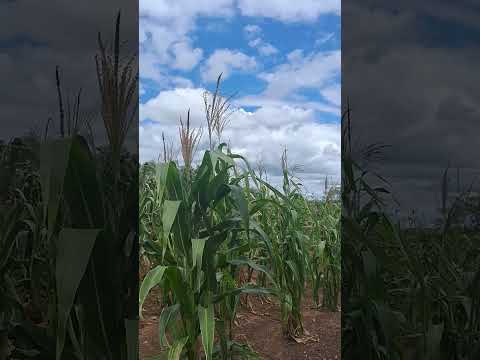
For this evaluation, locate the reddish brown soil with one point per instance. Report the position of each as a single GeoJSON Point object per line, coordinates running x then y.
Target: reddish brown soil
{"type": "Point", "coordinates": [148, 329]}
{"type": "Point", "coordinates": [261, 330]}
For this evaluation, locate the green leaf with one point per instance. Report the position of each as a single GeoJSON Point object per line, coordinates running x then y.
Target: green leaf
{"type": "Point", "coordinates": [180, 227]}
{"type": "Point", "coordinates": [170, 209]}
{"type": "Point", "coordinates": [74, 247]}
{"type": "Point", "coordinates": [254, 290]}
{"type": "Point", "coordinates": [239, 197]}
{"type": "Point", "coordinates": [152, 279]}
{"type": "Point", "coordinates": [216, 155]}
{"type": "Point", "coordinates": [176, 349]}
{"type": "Point", "coordinates": [197, 251]}
{"type": "Point", "coordinates": [253, 265]}
{"type": "Point", "coordinates": [207, 329]}
{"type": "Point", "coordinates": [167, 314]}
{"type": "Point", "coordinates": [81, 188]}
{"type": "Point", "coordinates": [54, 156]}
{"type": "Point", "coordinates": [162, 356]}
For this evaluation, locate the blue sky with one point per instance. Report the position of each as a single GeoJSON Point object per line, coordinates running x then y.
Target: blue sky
{"type": "Point", "coordinates": [280, 58]}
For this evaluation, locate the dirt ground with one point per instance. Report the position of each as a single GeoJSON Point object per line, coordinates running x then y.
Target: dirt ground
{"type": "Point", "coordinates": [261, 330]}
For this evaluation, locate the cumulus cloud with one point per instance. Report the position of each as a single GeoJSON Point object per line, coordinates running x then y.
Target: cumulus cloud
{"type": "Point", "coordinates": [36, 45]}
{"type": "Point", "coordinates": [260, 136]}
{"type": "Point", "coordinates": [181, 82]}
{"type": "Point", "coordinates": [254, 43]}
{"type": "Point", "coordinates": [324, 38]}
{"type": "Point", "coordinates": [289, 11]}
{"type": "Point", "coordinates": [314, 71]}
{"type": "Point", "coordinates": [185, 56]}
{"type": "Point", "coordinates": [263, 47]}
{"type": "Point", "coordinates": [167, 9]}
{"type": "Point", "coordinates": [253, 32]}
{"type": "Point", "coordinates": [415, 92]}
{"type": "Point", "coordinates": [225, 61]}
{"type": "Point", "coordinates": [267, 49]}
{"type": "Point", "coordinates": [281, 118]}
{"type": "Point", "coordinates": [168, 105]}
{"type": "Point", "coordinates": [332, 94]}
{"type": "Point", "coordinates": [164, 33]}
{"type": "Point", "coordinates": [252, 29]}
{"type": "Point", "coordinates": [261, 100]}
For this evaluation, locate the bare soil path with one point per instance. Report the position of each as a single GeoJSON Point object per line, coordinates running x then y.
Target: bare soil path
{"type": "Point", "coordinates": [262, 331]}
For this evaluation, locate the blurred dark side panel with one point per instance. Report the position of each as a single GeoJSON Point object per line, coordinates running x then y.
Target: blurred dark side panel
{"type": "Point", "coordinates": [410, 177]}
{"type": "Point", "coordinates": [68, 179]}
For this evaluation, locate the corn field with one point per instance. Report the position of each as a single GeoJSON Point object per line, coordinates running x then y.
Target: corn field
{"type": "Point", "coordinates": [216, 233]}
{"type": "Point", "coordinates": [411, 293]}
{"type": "Point", "coordinates": [63, 211]}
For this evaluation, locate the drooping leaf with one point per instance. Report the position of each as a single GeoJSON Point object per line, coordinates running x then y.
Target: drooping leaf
{"type": "Point", "coordinates": [207, 329]}
{"type": "Point", "coordinates": [239, 197]}
{"type": "Point", "coordinates": [167, 315]}
{"type": "Point", "coordinates": [153, 278]}
{"type": "Point", "coordinates": [176, 350]}
{"type": "Point", "coordinates": [54, 157]}
{"type": "Point", "coordinates": [170, 209]}
{"type": "Point", "coordinates": [197, 252]}
{"type": "Point", "coordinates": [74, 247]}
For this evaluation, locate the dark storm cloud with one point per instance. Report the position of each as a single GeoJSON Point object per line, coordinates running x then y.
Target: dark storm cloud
{"type": "Point", "coordinates": [36, 36]}
{"type": "Point", "coordinates": [410, 70]}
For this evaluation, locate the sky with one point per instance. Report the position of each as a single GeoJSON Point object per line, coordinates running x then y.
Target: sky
{"type": "Point", "coordinates": [410, 70]}
{"type": "Point", "coordinates": [31, 49]}
{"type": "Point", "coordinates": [280, 58]}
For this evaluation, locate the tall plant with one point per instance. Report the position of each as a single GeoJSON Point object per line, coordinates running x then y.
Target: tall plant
{"type": "Point", "coordinates": [217, 111]}
{"type": "Point", "coordinates": [285, 247]}
{"type": "Point", "coordinates": [199, 226]}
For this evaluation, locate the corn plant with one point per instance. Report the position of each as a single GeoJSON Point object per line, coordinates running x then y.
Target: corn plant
{"type": "Point", "coordinates": [75, 304]}
{"type": "Point", "coordinates": [201, 226]}
{"type": "Point", "coordinates": [217, 112]}
{"type": "Point", "coordinates": [189, 139]}
{"type": "Point", "coordinates": [285, 246]}
{"type": "Point", "coordinates": [325, 264]}
{"type": "Point", "coordinates": [410, 291]}
{"type": "Point", "coordinates": [11, 309]}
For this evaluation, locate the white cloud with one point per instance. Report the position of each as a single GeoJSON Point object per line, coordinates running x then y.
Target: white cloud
{"type": "Point", "coordinates": [314, 71]}
{"type": "Point", "coordinates": [281, 119]}
{"type": "Point", "coordinates": [151, 69]}
{"type": "Point", "coordinates": [332, 94]}
{"type": "Point", "coordinates": [324, 38]}
{"type": "Point", "coordinates": [156, 38]}
{"type": "Point", "coordinates": [164, 33]}
{"type": "Point", "coordinates": [288, 10]}
{"type": "Point", "coordinates": [168, 105]}
{"type": "Point", "coordinates": [255, 42]}
{"type": "Point", "coordinates": [261, 100]}
{"type": "Point", "coordinates": [295, 55]}
{"type": "Point", "coordinates": [225, 61]}
{"type": "Point", "coordinates": [185, 57]}
{"type": "Point", "coordinates": [251, 30]}
{"type": "Point", "coordinates": [263, 47]}
{"type": "Point", "coordinates": [181, 82]}
{"type": "Point", "coordinates": [259, 136]}
{"type": "Point", "coordinates": [165, 9]}
{"type": "Point", "coordinates": [267, 49]}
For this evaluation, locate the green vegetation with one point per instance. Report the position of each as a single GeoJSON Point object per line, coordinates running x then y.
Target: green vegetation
{"type": "Point", "coordinates": [412, 293]}
{"type": "Point", "coordinates": [63, 211]}
{"type": "Point", "coordinates": [214, 231]}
